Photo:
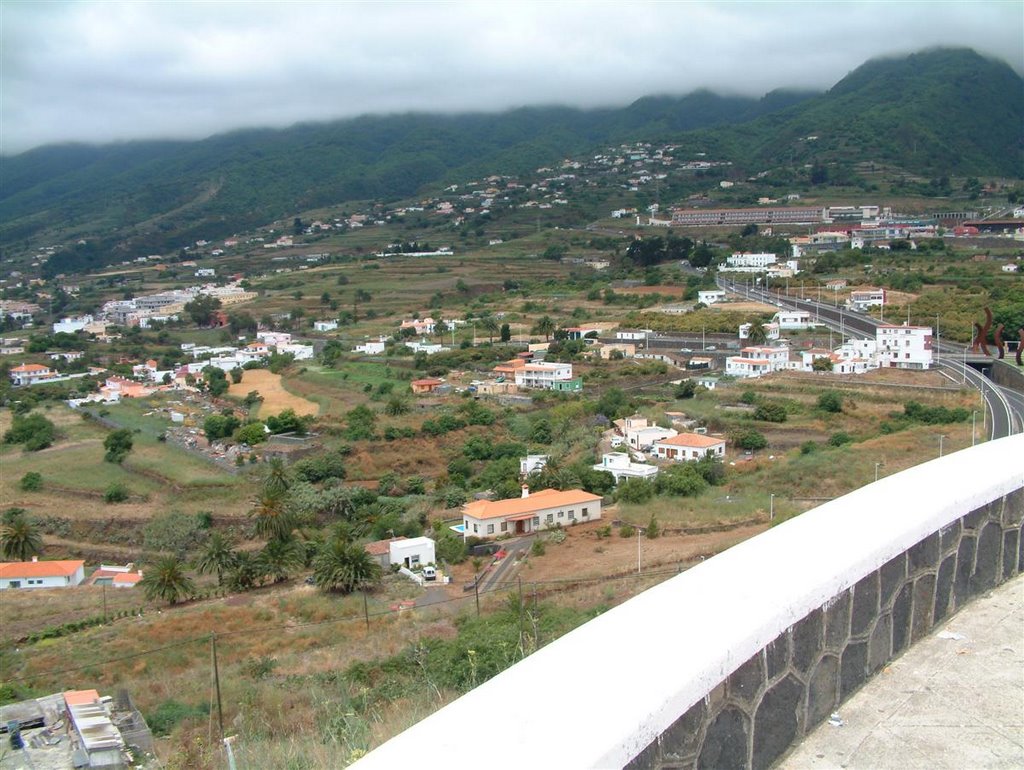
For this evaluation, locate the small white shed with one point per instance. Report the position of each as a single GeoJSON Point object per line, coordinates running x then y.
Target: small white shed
{"type": "Point", "coordinates": [412, 552]}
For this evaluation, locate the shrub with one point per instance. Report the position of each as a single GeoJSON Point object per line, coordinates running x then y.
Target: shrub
{"type": "Point", "coordinates": [169, 714]}
{"type": "Point", "coordinates": [830, 401]}
{"type": "Point", "coordinates": [748, 438]}
{"type": "Point", "coordinates": [31, 482]}
{"type": "Point", "coordinates": [635, 491]}
{"type": "Point", "coordinates": [770, 411]}
{"type": "Point", "coordinates": [116, 493]}
{"type": "Point", "coordinates": [626, 531]}
{"type": "Point", "coordinates": [840, 438]}
{"type": "Point", "coordinates": [538, 548]}
{"type": "Point", "coordinates": [653, 530]}
{"type": "Point", "coordinates": [118, 444]}
{"type": "Point", "coordinates": [808, 447]}
{"type": "Point", "coordinates": [681, 480]}
{"type": "Point", "coordinates": [33, 431]}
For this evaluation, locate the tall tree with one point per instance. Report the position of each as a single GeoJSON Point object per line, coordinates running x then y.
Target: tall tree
{"type": "Point", "coordinates": [273, 519]}
{"type": "Point", "coordinates": [118, 444]}
{"type": "Point", "coordinates": [490, 325]}
{"type": "Point", "coordinates": [545, 325]}
{"type": "Point", "coordinates": [218, 556]}
{"type": "Point", "coordinates": [281, 556]}
{"type": "Point", "coordinates": [19, 536]}
{"type": "Point", "coordinates": [167, 580]}
{"type": "Point", "coordinates": [344, 566]}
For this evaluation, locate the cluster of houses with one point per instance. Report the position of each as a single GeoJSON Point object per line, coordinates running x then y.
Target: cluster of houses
{"type": "Point", "coordinates": [900, 347]}
{"type": "Point", "coordinates": [64, 574]}
{"type": "Point", "coordinates": [162, 306]}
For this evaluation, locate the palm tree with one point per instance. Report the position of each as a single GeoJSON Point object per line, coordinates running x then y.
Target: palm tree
{"type": "Point", "coordinates": [490, 325]}
{"type": "Point", "coordinates": [167, 580]}
{"type": "Point", "coordinates": [246, 572]}
{"type": "Point", "coordinates": [344, 566]}
{"type": "Point", "coordinates": [273, 520]}
{"type": "Point", "coordinates": [276, 481]}
{"type": "Point", "coordinates": [545, 325]}
{"type": "Point", "coordinates": [757, 334]}
{"type": "Point", "coordinates": [218, 556]}
{"type": "Point", "coordinates": [280, 557]}
{"type": "Point", "coordinates": [19, 536]}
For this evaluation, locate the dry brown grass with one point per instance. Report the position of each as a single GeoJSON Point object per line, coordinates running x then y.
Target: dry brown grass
{"type": "Point", "coordinates": [275, 397]}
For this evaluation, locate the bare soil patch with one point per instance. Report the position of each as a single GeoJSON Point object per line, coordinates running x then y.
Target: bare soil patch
{"type": "Point", "coordinates": [275, 398]}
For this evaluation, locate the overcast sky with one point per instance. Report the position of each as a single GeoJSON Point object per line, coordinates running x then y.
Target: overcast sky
{"type": "Point", "coordinates": [103, 70]}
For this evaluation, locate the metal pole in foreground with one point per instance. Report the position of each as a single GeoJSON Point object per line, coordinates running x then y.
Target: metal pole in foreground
{"type": "Point", "coordinates": [638, 550]}
{"type": "Point", "coordinates": [974, 420]}
{"type": "Point", "coordinates": [876, 471]}
{"type": "Point", "coordinates": [771, 507]}
{"type": "Point", "coordinates": [216, 681]}
{"type": "Point", "coordinates": [941, 437]}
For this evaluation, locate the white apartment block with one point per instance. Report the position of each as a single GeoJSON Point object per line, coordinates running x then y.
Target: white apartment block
{"type": "Point", "coordinates": [862, 300]}
{"type": "Point", "coordinates": [771, 331]}
{"type": "Point", "coordinates": [793, 319]}
{"type": "Point", "coordinates": [757, 361]}
{"type": "Point", "coordinates": [904, 347]}
{"type": "Point", "coordinates": [748, 259]}
{"type": "Point", "coordinates": [549, 376]}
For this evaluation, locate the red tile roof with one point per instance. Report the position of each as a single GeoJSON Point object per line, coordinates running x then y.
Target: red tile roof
{"type": "Point", "coordinates": [36, 569]}
{"type": "Point", "coordinates": [537, 501]}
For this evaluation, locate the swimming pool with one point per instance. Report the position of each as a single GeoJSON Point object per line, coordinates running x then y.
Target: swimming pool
{"type": "Point", "coordinates": [460, 528]}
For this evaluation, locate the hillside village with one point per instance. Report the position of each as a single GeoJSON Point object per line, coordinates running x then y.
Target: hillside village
{"type": "Point", "coordinates": [350, 440]}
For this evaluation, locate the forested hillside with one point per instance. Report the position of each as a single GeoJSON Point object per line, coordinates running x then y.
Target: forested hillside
{"type": "Point", "coordinates": [933, 113]}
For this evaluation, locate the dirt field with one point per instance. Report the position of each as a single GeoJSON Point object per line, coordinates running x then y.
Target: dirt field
{"type": "Point", "coordinates": [275, 397]}
{"type": "Point", "coordinates": [584, 555]}
{"type": "Point", "coordinates": [743, 307]}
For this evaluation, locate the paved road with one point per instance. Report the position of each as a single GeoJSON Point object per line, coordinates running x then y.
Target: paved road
{"type": "Point", "coordinates": [1005, 406]}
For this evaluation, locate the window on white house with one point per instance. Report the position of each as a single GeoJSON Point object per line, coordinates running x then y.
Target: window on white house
{"type": "Point", "coordinates": [586, 511]}
{"type": "Point", "coordinates": [549, 518]}
{"type": "Point", "coordinates": [504, 526]}
{"type": "Point", "coordinates": [474, 528]}
{"type": "Point", "coordinates": [561, 514]}
{"type": "Point", "coordinates": [572, 514]}
{"type": "Point", "coordinates": [490, 529]}
{"type": "Point", "coordinates": [536, 521]}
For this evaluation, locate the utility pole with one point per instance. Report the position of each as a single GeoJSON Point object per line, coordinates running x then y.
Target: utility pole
{"type": "Point", "coordinates": [216, 681]}
{"type": "Point", "coordinates": [638, 550]}
{"type": "Point", "coordinates": [476, 591]}
{"type": "Point", "coordinates": [974, 419]}
{"type": "Point", "coordinates": [366, 611]}
{"type": "Point", "coordinates": [941, 437]}
{"type": "Point", "coordinates": [938, 340]}
{"type": "Point", "coordinates": [104, 603]}
{"type": "Point", "coordinates": [771, 507]}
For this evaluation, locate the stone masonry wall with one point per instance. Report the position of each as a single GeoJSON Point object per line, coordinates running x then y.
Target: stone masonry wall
{"type": "Point", "coordinates": [772, 700]}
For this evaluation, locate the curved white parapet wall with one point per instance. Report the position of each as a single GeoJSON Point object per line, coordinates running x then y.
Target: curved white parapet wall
{"type": "Point", "coordinates": [605, 694]}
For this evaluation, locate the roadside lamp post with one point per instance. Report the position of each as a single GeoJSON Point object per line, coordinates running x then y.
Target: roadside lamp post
{"type": "Point", "coordinates": [941, 437]}
{"type": "Point", "coordinates": [771, 507]}
{"type": "Point", "coordinates": [974, 421]}
{"type": "Point", "coordinates": [876, 471]}
{"type": "Point", "coordinates": [638, 531]}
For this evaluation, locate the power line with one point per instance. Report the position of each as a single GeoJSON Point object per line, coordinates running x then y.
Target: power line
{"type": "Point", "coordinates": [347, 619]}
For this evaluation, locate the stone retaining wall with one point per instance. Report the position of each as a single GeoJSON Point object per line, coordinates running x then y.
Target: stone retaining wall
{"type": "Point", "coordinates": [798, 679]}
{"type": "Point", "coordinates": [731, 662]}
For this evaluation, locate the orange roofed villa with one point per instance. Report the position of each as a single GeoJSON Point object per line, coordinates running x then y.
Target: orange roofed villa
{"type": "Point", "coordinates": [545, 509]}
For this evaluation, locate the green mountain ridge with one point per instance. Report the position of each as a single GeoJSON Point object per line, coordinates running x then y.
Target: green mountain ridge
{"type": "Point", "coordinates": [945, 111]}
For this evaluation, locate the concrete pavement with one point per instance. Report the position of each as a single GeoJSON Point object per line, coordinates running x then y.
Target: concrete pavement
{"type": "Point", "coordinates": [954, 700]}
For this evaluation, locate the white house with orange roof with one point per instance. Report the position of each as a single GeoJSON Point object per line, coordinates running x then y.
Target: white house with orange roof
{"type": "Point", "coordinates": [41, 574]}
{"type": "Point", "coordinates": [116, 576]}
{"type": "Point", "coordinates": [30, 374]}
{"type": "Point", "coordinates": [756, 361]}
{"type": "Point", "coordinates": [419, 325]}
{"type": "Point", "coordinates": [541, 510]}
{"type": "Point", "coordinates": [688, 447]}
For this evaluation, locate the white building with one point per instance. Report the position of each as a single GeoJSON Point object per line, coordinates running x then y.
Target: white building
{"type": "Point", "coordinates": [643, 436]}
{"type": "Point", "coordinates": [532, 464]}
{"type": "Point", "coordinates": [621, 466]}
{"type": "Point", "coordinates": [757, 361]}
{"type": "Point", "coordinates": [420, 326]}
{"type": "Point", "coordinates": [862, 300]}
{"type": "Point", "coordinates": [771, 331]}
{"type": "Point", "coordinates": [72, 325]}
{"type": "Point", "coordinates": [325, 326]}
{"type": "Point", "coordinates": [412, 552]}
{"type": "Point", "coordinates": [371, 347]}
{"type": "Point", "coordinates": [41, 574]}
{"type": "Point", "coordinates": [710, 297]}
{"type": "Point", "coordinates": [904, 347]}
{"type": "Point", "coordinates": [529, 513]}
{"type": "Point", "coordinates": [206, 272]}
{"type": "Point", "coordinates": [793, 319]}
{"type": "Point", "coordinates": [633, 334]}
{"type": "Point", "coordinates": [30, 374]}
{"type": "Point", "coordinates": [549, 376]}
{"type": "Point", "coordinates": [758, 261]}
{"type": "Point", "coordinates": [1009, 267]}
{"type": "Point", "coordinates": [274, 338]}
{"type": "Point", "coordinates": [301, 352]}
{"type": "Point", "coordinates": [689, 446]}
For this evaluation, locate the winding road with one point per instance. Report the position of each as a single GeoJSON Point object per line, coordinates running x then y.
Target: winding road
{"type": "Point", "coordinates": [1005, 406]}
